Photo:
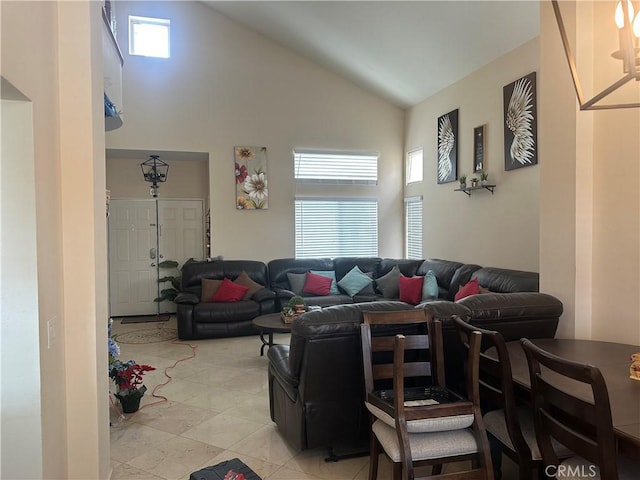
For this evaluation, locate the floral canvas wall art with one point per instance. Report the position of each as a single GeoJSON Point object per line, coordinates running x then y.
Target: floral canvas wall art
{"type": "Point", "coordinates": [251, 178]}
{"type": "Point", "coordinates": [520, 123]}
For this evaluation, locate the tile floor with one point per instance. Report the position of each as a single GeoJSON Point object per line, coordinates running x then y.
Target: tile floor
{"type": "Point", "coordinates": [217, 408]}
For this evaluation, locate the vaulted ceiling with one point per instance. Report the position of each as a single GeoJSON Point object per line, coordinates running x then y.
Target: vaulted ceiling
{"type": "Point", "coordinates": [404, 51]}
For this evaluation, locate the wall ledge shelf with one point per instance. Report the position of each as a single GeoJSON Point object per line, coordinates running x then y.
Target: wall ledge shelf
{"type": "Point", "coordinates": [468, 190]}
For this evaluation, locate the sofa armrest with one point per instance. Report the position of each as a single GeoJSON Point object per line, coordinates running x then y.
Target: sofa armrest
{"type": "Point", "coordinates": [278, 356]}
{"type": "Point", "coordinates": [263, 294]}
{"type": "Point", "coordinates": [283, 293]}
{"type": "Point", "coordinates": [443, 310]}
{"type": "Point", "coordinates": [520, 305]}
{"type": "Point", "coordinates": [187, 298]}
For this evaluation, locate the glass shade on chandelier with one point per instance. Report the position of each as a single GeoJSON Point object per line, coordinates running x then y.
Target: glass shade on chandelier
{"type": "Point", "coordinates": [155, 171]}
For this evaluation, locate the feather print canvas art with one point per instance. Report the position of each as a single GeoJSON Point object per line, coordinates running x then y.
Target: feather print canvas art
{"type": "Point", "coordinates": [520, 123]}
{"type": "Point", "coordinates": [448, 147]}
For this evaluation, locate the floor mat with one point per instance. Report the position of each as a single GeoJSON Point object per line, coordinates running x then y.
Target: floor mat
{"type": "Point", "coordinates": [145, 319]}
{"type": "Point", "coordinates": [152, 335]}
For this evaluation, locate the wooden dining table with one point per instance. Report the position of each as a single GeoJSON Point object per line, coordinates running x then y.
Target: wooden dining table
{"type": "Point", "coordinates": [613, 360]}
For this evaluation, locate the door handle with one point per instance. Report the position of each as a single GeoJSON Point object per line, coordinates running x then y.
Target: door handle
{"type": "Point", "coordinates": [152, 265]}
{"type": "Point", "coordinates": [152, 253]}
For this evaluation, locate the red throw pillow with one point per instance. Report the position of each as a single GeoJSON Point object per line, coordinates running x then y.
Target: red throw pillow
{"type": "Point", "coordinates": [229, 292]}
{"type": "Point", "coordinates": [471, 288]}
{"type": "Point", "coordinates": [410, 289]}
{"type": "Point", "coordinates": [317, 284]}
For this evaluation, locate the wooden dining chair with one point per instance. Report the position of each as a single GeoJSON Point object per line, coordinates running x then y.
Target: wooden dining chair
{"type": "Point", "coordinates": [583, 425]}
{"type": "Point", "coordinates": [509, 425]}
{"type": "Point", "coordinates": [416, 420]}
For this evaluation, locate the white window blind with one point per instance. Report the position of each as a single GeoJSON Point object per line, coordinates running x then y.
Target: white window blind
{"type": "Point", "coordinates": [336, 228]}
{"type": "Point", "coordinates": [149, 37]}
{"type": "Point", "coordinates": [413, 171]}
{"type": "Point", "coordinates": [335, 167]}
{"type": "Point", "coordinates": [413, 221]}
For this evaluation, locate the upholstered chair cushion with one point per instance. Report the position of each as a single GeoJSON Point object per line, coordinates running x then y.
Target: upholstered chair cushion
{"type": "Point", "coordinates": [455, 422]}
{"type": "Point", "coordinates": [425, 446]}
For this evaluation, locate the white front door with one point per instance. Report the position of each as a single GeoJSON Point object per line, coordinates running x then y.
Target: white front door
{"type": "Point", "coordinates": [133, 275]}
{"type": "Point", "coordinates": [180, 236]}
{"type": "Point", "coordinates": [139, 239]}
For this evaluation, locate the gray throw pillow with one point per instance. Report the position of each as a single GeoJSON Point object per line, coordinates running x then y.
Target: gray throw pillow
{"type": "Point", "coordinates": [389, 284]}
{"type": "Point", "coordinates": [296, 282]}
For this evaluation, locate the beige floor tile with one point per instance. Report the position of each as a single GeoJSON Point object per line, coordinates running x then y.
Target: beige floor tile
{"type": "Point", "coordinates": [134, 439]}
{"type": "Point", "coordinates": [285, 474]}
{"type": "Point", "coordinates": [265, 444]}
{"type": "Point", "coordinates": [255, 408]}
{"type": "Point", "coordinates": [253, 382]}
{"type": "Point", "coordinates": [127, 472]}
{"type": "Point", "coordinates": [218, 399]}
{"type": "Point", "coordinates": [174, 417]}
{"type": "Point", "coordinates": [217, 374]}
{"type": "Point", "coordinates": [222, 431]}
{"type": "Point", "coordinates": [312, 462]}
{"type": "Point", "coordinates": [181, 390]}
{"type": "Point", "coordinates": [175, 458]}
{"type": "Point", "coordinates": [227, 411]}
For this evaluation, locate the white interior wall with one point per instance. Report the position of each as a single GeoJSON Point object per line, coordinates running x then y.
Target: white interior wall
{"type": "Point", "coordinates": [186, 179]}
{"type": "Point", "coordinates": [226, 86]}
{"type": "Point", "coordinates": [21, 417]}
{"type": "Point", "coordinates": [500, 230]}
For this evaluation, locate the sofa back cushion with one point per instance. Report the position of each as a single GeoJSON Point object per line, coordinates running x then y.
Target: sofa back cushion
{"type": "Point", "coordinates": [279, 268]}
{"type": "Point", "coordinates": [344, 265]}
{"type": "Point", "coordinates": [407, 267]}
{"type": "Point", "coordinates": [503, 280]}
{"type": "Point", "coordinates": [450, 275]}
{"type": "Point", "coordinates": [192, 273]}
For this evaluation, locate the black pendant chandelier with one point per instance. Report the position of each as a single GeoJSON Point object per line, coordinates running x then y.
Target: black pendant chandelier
{"type": "Point", "coordinates": [154, 171]}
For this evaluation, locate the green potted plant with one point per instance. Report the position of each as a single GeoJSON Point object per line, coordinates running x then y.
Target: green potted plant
{"type": "Point", "coordinates": [297, 304]}
{"type": "Point", "coordinates": [474, 181]}
{"type": "Point", "coordinates": [484, 178]}
{"type": "Point", "coordinates": [463, 181]}
{"type": "Point", "coordinates": [171, 292]}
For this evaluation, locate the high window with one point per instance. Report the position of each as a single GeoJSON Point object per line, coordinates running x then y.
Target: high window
{"type": "Point", "coordinates": [339, 217]}
{"type": "Point", "coordinates": [413, 225]}
{"type": "Point", "coordinates": [413, 169]}
{"type": "Point", "coordinates": [149, 37]}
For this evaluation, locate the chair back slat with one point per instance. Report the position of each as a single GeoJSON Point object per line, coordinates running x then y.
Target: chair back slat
{"type": "Point", "coordinates": [404, 347]}
{"type": "Point", "coordinates": [582, 425]}
{"type": "Point", "coordinates": [496, 381]}
{"type": "Point", "coordinates": [423, 360]}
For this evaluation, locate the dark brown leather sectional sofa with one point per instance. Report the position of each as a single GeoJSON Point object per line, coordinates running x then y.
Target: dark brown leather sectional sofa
{"type": "Point", "coordinates": [316, 383]}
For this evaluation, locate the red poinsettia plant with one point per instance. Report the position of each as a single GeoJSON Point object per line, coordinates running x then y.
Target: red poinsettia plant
{"type": "Point", "coordinates": [128, 377]}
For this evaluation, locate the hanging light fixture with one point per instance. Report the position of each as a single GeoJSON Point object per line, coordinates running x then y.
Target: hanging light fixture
{"type": "Point", "coordinates": [627, 20]}
{"type": "Point", "coordinates": [154, 171]}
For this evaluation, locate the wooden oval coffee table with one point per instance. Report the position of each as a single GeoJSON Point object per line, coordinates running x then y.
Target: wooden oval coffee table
{"type": "Point", "coordinates": [270, 324]}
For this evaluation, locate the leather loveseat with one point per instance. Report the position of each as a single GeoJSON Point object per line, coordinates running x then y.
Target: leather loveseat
{"type": "Point", "coordinates": [203, 319]}
{"type": "Point", "coordinates": [316, 382]}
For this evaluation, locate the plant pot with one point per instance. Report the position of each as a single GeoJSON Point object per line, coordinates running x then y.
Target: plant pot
{"type": "Point", "coordinates": [130, 403]}
{"type": "Point", "coordinates": [484, 182]}
{"type": "Point", "coordinates": [463, 185]}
